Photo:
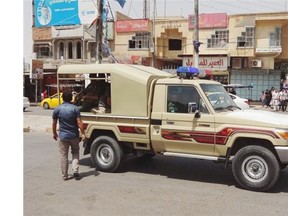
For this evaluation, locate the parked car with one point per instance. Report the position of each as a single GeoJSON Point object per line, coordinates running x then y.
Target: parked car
{"type": "Point", "coordinates": [218, 99]}
{"type": "Point", "coordinates": [26, 103]}
{"type": "Point", "coordinates": [51, 102]}
{"type": "Point", "coordinates": [243, 103]}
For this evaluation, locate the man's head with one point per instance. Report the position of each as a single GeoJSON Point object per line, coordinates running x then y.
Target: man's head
{"type": "Point", "coordinates": [67, 96]}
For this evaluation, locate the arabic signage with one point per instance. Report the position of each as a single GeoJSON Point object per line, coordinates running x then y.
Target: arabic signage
{"type": "Point", "coordinates": [132, 25]}
{"type": "Point", "coordinates": [269, 50]}
{"type": "Point", "coordinates": [208, 62]}
{"type": "Point", "coordinates": [63, 12]}
{"type": "Point", "coordinates": [213, 20]}
{"type": "Point", "coordinates": [36, 71]}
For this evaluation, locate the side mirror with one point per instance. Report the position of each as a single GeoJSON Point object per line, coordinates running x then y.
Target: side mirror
{"type": "Point", "coordinates": [192, 107]}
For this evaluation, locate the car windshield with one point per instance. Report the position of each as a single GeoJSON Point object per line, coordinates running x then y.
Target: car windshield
{"type": "Point", "coordinates": [218, 97]}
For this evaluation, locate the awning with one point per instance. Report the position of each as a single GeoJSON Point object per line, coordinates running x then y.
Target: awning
{"type": "Point", "coordinates": [65, 85]}
{"type": "Point", "coordinates": [237, 86]}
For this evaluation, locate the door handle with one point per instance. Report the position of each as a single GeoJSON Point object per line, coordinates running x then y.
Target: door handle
{"type": "Point", "coordinates": [170, 122]}
{"type": "Point", "coordinates": [204, 125]}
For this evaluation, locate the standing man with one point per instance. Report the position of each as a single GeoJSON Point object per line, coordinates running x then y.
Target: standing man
{"type": "Point", "coordinates": [69, 121]}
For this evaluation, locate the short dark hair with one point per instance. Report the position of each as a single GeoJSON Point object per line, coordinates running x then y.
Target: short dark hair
{"type": "Point", "coordinates": [67, 96]}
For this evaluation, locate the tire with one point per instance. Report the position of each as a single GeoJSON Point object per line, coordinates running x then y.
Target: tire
{"type": "Point", "coordinates": [255, 168]}
{"type": "Point", "coordinates": [106, 154]}
{"type": "Point", "coordinates": [46, 106]}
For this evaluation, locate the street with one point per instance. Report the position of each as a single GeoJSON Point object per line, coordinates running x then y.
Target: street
{"type": "Point", "coordinates": [159, 186]}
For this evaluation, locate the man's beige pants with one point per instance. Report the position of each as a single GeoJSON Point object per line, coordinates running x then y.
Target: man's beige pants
{"type": "Point", "coordinates": [64, 148]}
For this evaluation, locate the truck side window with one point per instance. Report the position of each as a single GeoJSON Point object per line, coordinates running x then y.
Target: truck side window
{"type": "Point", "coordinates": [178, 98]}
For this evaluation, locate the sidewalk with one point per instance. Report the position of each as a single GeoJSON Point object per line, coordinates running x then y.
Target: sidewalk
{"type": "Point", "coordinates": [36, 123]}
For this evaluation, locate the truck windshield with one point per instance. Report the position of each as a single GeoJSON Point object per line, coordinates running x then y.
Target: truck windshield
{"type": "Point", "coordinates": [218, 97]}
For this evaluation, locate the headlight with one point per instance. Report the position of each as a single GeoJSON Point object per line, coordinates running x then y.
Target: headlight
{"type": "Point", "coordinates": [283, 133]}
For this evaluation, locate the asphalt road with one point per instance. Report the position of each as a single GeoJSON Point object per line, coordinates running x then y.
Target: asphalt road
{"type": "Point", "coordinates": [159, 186]}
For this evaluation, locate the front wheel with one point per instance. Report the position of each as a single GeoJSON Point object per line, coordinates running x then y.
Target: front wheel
{"type": "Point", "coordinates": [46, 106]}
{"type": "Point", "coordinates": [106, 154]}
{"type": "Point", "coordinates": [255, 168]}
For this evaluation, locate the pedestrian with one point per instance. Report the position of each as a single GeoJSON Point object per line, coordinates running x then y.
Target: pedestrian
{"type": "Point", "coordinates": [262, 98]}
{"type": "Point", "coordinates": [44, 94]}
{"type": "Point", "coordinates": [70, 122]}
{"type": "Point", "coordinates": [275, 100]}
{"type": "Point", "coordinates": [282, 99]}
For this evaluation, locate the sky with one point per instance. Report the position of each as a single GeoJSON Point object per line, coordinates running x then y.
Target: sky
{"type": "Point", "coordinates": [134, 9]}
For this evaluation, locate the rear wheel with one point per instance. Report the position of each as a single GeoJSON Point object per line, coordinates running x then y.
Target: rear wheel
{"type": "Point", "coordinates": [255, 168]}
{"type": "Point", "coordinates": [46, 106]}
{"type": "Point", "coordinates": [106, 154]}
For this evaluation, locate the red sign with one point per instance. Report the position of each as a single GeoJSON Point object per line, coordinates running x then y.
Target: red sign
{"type": "Point", "coordinates": [132, 25]}
{"type": "Point", "coordinates": [214, 20]}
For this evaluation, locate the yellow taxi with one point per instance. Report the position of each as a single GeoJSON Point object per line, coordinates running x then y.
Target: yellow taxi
{"type": "Point", "coordinates": [51, 102]}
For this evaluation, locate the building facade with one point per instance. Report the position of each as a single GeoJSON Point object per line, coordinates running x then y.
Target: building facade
{"type": "Point", "coordinates": [249, 49]}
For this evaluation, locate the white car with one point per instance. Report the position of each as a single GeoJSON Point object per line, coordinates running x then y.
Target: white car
{"type": "Point", "coordinates": [26, 103]}
{"type": "Point", "coordinates": [218, 99]}
{"type": "Point", "coordinates": [243, 103]}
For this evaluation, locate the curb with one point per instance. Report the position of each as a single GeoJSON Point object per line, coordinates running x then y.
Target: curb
{"type": "Point", "coordinates": [28, 130]}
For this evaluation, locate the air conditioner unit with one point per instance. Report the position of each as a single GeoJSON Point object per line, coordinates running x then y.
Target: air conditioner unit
{"type": "Point", "coordinates": [256, 63]}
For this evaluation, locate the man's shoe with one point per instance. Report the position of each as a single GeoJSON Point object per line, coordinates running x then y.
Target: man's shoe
{"type": "Point", "coordinates": [65, 178]}
{"type": "Point", "coordinates": [76, 175]}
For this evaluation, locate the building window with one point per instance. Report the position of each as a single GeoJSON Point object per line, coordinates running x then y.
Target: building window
{"type": "Point", "coordinates": [175, 44]}
{"type": "Point", "coordinates": [238, 63]}
{"type": "Point", "coordinates": [61, 50]}
{"type": "Point", "coordinates": [70, 50]}
{"type": "Point", "coordinates": [218, 40]}
{"type": "Point", "coordinates": [93, 50]}
{"type": "Point", "coordinates": [275, 38]}
{"type": "Point", "coordinates": [79, 50]}
{"type": "Point", "coordinates": [42, 51]}
{"type": "Point", "coordinates": [247, 38]}
{"type": "Point", "coordinates": [140, 41]}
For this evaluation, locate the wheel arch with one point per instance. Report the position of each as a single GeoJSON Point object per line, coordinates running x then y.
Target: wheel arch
{"type": "Point", "coordinates": [241, 142]}
{"type": "Point", "coordinates": [96, 133]}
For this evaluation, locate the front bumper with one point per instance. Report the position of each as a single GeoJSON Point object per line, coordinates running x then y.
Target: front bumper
{"type": "Point", "coordinates": [282, 152]}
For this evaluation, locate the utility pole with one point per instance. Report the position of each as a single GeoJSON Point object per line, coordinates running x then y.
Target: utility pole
{"type": "Point", "coordinates": [146, 11]}
{"type": "Point", "coordinates": [153, 35]}
{"type": "Point", "coordinates": [196, 34]}
{"type": "Point", "coordinates": [99, 32]}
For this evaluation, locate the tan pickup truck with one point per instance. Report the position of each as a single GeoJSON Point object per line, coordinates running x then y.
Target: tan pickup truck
{"type": "Point", "coordinates": [153, 112]}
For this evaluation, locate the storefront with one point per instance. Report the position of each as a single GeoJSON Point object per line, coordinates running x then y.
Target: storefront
{"type": "Point", "coordinates": [214, 65]}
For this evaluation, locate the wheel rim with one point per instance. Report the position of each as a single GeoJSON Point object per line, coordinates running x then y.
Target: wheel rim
{"type": "Point", "coordinates": [46, 106]}
{"type": "Point", "coordinates": [105, 154]}
{"type": "Point", "coordinates": [254, 168]}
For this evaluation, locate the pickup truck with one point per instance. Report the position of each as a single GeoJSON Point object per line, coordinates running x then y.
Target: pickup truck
{"type": "Point", "coordinates": [154, 112]}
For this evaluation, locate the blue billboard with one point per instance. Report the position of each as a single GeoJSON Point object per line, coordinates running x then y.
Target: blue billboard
{"type": "Point", "coordinates": [63, 12]}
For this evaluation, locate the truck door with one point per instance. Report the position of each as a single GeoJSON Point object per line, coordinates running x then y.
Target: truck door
{"type": "Point", "coordinates": [181, 131]}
